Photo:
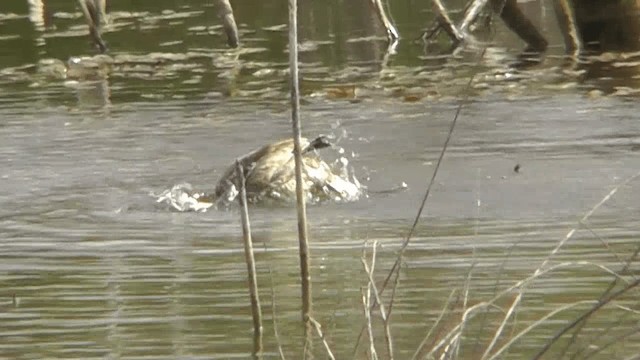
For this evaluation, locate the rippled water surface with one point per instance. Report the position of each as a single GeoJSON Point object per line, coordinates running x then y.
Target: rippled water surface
{"type": "Point", "coordinates": [92, 268]}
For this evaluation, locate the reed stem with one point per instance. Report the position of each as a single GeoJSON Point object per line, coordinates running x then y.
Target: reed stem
{"type": "Point", "coordinates": [251, 262]}
{"type": "Point", "coordinates": [225, 13]}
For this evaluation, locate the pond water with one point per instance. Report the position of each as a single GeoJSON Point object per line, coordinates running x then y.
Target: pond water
{"type": "Point", "coordinates": [91, 267]}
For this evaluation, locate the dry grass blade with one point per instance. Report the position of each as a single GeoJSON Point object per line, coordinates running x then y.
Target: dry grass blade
{"type": "Point", "coordinates": [305, 275]}
{"type": "Point", "coordinates": [483, 322]}
{"type": "Point", "coordinates": [250, 261]}
{"type": "Point", "coordinates": [504, 322]}
{"type": "Point", "coordinates": [611, 286]}
{"type": "Point", "coordinates": [452, 348]}
{"type": "Point", "coordinates": [587, 314]}
{"type": "Point", "coordinates": [625, 264]}
{"type": "Point", "coordinates": [434, 326]}
{"type": "Point", "coordinates": [518, 298]}
{"type": "Point", "coordinates": [395, 269]}
{"type": "Point", "coordinates": [318, 328]}
{"type": "Point", "coordinates": [583, 222]}
{"type": "Point", "coordinates": [470, 313]}
{"type": "Point", "coordinates": [366, 302]}
{"type": "Point", "coordinates": [567, 237]}
{"type": "Point", "coordinates": [273, 314]}
{"type": "Point", "coordinates": [465, 301]}
{"type": "Point", "coordinates": [538, 322]}
{"type": "Point", "coordinates": [612, 342]}
{"type": "Point", "coordinates": [625, 308]}
{"type": "Point", "coordinates": [383, 312]}
{"type": "Point", "coordinates": [589, 214]}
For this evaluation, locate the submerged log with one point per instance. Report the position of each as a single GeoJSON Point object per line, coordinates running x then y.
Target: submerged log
{"type": "Point", "coordinates": [515, 20]}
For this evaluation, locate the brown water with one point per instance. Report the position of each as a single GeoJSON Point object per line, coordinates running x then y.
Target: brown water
{"type": "Point", "coordinates": [91, 267]}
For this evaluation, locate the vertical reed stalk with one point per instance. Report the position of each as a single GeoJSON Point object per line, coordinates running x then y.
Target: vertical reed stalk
{"type": "Point", "coordinates": [225, 13]}
{"type": "Point", "coordinates": [446, 23]}
{"type": "Point", "coordinates": [303, 240]}
{"type": "Point", "coordinates": [567, 21]}
{"type": "Point", "coordinates": [372, 287]}
{"type": "Point", "coordinates": [94, 12]}
{"type": "Point", "coordinates": [471, 14]}
{"type": "Point", "coordinates": [392, 32]}
{"type": "Point", "coordinates": [251, 264]}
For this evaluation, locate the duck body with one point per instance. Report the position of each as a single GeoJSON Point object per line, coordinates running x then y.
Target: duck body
{"type": "Point", "coordinates": [270, 175]}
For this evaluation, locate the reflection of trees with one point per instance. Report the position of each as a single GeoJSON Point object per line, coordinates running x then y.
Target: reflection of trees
{"type": "Point", "coordinates": [589, 28]}
{"type": "Point", "coordinates": [593, 24]}
{"type": "Point", "coordinates": [335, 22]}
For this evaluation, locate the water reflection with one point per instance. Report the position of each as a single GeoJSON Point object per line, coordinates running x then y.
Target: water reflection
{"type": "Point", "coordinates": [99, 270]}
{"type": "Point", "coordinates": [37, 18]}
{"type": "Point", "coordinates": [339, 51]}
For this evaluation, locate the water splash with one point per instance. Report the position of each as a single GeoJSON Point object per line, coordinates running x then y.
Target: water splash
{"type": "Point", "coordinates": [343, 187]}
{"type": "Point", "coordinates": [183, 198]}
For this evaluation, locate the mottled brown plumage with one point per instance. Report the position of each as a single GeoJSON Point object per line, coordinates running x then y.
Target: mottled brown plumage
{"type": "Point", "coordinates": [270, 174]}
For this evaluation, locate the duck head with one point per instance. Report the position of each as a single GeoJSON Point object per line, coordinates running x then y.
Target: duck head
{"type": "Point", "coordinates": [318, 143]}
